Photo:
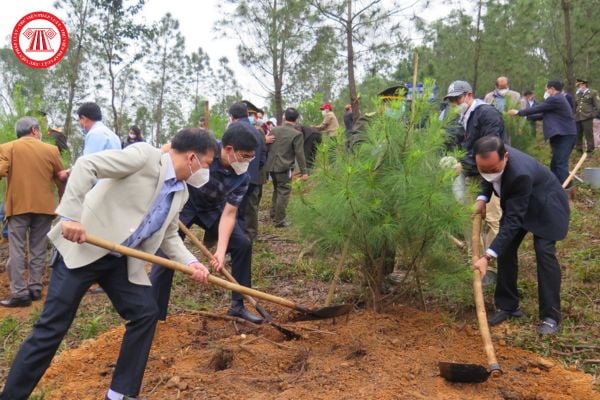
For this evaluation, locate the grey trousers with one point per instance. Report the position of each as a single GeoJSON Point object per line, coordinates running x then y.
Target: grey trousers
{"type": "Point", "coordinates": [37, 225]}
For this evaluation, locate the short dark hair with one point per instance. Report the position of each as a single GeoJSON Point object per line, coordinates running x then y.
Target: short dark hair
{"type": "Point", "coordinates": [193, 139]}
{"type": "Point", "coordinates": [238, 110]}
{"type": "Point", "coordinates": [527, 93]}
{"type": "Point", "coordinates": [90, 110]}
{"type": "Point", "coordinates": [136, 130]}
{"type": "Point", "coordinates": [240, 137]}
{"type": "Point", "coordinates": [555, 84]}
{"type": "Point", "coordinates": [291, 114]}
{"type": "Point", "coordinates": [488, 144]}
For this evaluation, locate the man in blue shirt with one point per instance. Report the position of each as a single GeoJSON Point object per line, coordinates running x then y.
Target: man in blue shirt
{"type": "Point", "coordinates": [214, 207]}
{"type": "Point", "coordinates": [98, 136]}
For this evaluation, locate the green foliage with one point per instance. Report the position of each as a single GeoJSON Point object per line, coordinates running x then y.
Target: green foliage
{"type": "Point", "coordinates": [309, 110]}
{"type": "Point", "coordinates": [388, 193]}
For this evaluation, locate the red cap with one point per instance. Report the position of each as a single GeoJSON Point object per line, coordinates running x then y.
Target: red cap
{"type": "Point", "coordinates": [326, 106]}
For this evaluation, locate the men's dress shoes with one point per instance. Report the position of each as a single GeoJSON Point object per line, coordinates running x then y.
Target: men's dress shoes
{"type": "Point", "coordinates": [548, 326]}
{"type": "Point", "coordinates": [241, 312]}
{"type": "Point", "coordinates": [24, 301]}
{"type": "Point", "coordinates": [502, 315]}
{"type": "Point", "coordinates": [35, 294]}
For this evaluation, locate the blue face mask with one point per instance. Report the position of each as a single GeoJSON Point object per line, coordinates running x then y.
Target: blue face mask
{"type": "Point", "coordinates": [251, 120]}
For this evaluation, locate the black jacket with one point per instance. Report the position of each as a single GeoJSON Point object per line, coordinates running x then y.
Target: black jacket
{"type": "Point", "coordinates": [485, 120]}
{"type": "Point", "coordinates": [531, 198]}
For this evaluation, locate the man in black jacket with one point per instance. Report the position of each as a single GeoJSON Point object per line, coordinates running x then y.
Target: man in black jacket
{"type": "Point", "coordinates": [559, 127]}
{"type": "Point", "coordinates": [478, 119]}
{"type": "Point", "coordinates": [532, 200]}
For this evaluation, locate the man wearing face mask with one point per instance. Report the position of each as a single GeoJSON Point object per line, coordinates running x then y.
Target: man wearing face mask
{"type": "Point", "coordinates": [559, 127]}
{"type": "Point", "coordinates": [98, 200]}
{"type": "Point", "coordinates": [330, 123]}
{"type": "Point", "coordinates": [248, 212]}
{"type": "Point", "coordinates": [478, 119]}
{"type": "Point", "coordinates": [29, 166]}
{"type": "Point", "coordinates": [502, 95]}
{"type": "Point", "coordinates": [213, 207]}
{"type": "Point", "coordinates": [532, 200]}
{"type": "Point", "coordinates": [98, 136]}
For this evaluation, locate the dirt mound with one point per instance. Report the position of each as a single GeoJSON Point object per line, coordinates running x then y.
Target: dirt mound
{"type": "Point", "coordinates": [368, 356]}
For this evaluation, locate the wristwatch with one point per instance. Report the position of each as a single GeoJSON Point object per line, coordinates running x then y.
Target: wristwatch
{"type": "Point", "coordinates": [488, 257]}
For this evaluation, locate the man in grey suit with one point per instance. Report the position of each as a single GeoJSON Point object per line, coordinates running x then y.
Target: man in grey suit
{"type": "Point", "coordinates": [98, 199]}
{"type": "Point", "coordinates": [532, 200]}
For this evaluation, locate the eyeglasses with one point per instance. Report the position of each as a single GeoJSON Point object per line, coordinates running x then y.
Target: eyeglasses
{"type": "Point", "coordinates": [246, 157]}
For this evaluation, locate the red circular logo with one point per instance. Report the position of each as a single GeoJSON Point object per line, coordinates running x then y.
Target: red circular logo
{"type": "Point", "coordinates": [40, 40]}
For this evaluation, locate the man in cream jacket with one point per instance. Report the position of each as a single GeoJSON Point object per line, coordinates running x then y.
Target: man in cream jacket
{"type": "Point", "coordinates": [132, 197]}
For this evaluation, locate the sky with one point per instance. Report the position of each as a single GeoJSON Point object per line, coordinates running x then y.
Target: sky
{"type": "Point", "coordinates": [196, 20]}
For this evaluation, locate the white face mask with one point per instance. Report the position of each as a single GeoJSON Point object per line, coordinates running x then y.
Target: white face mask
{"type": "Point", "coordinates": [199, 178]}
{"type": "Point", "coordinates": [495, 177]}
{"type": "Point", "coordinates": [132, 136]}
{"type": "Point", "coordinates": [239, 166]}
{"type": "Point", "coordinates": [462, 108]}
{"type": "Point", "coordinates": [546, 95]}
{"type": "Point", "coordinates": [324, 112]}
{"type": "Point", "coordinates": [503, 91]}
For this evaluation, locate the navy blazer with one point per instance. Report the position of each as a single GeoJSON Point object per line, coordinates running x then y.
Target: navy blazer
{"type": "Point", "coordinates": [531, 198]}
{"type": "Point", "coordinates": [557, 115]}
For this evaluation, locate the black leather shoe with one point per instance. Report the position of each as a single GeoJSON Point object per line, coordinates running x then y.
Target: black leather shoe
{"type": "Point", "coordinates": [241, 312]}
{"type": "Point", "coordinates": [35, 294]}
{"type": "Point", "coordinates": [501, 315]}
{"type": "Point", "coordinates": [24, 301]}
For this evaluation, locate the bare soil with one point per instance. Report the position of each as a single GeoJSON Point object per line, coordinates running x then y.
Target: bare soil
{"type": "Point", "coordinates": [393, 355]}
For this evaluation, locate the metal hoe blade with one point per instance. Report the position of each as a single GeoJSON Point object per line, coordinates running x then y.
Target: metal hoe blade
{"type": "Point", "coordinates": [324, 312]}
{"type": "Point", "coordinates": [466, 373]}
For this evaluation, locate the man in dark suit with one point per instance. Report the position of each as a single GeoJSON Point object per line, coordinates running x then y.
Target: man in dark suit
{"type": "Point", "coordinates": [559, 127]}
{"type": "Point", "coordinates": [527, 101]}
{"type": "Point", "coordinates": [532, 200]}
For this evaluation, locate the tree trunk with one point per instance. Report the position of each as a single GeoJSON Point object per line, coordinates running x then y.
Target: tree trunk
{"type": "Point", "coordinates": [477, 47]}
{"type": "Point", "coordinates": [351, 79]}
{"type": "Point", "coordinates": [112, 97]}
{"type": "Point", "coordinates": [74, 76]}
{"type": "Point", "coordinates": [569, 60]}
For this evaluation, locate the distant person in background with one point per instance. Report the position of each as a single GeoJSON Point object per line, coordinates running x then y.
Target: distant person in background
{"type": "Point", "coordinates": [587, 104]}
{"type": "Point", "coordinates": [348, 115]}
{"type": "Point", "coordinates": [287, 148]}
{"type": "Point", "coordinates": [559, 127]}
{"type": "Point", "coordinates": [134, 136]}
{"type": "Point", "coordinates": [60, 140]}
{"type": "Point", "coordinates": [98, 136]}
{"type": "Point", "coordinates": [499, 96]}
{"type": "Point", "coordinates": [312, 138]}
{"type": "Point", "coordinates": [330, 123]}
{"type": "Point", "coordinates": [527, 101]}
{"type": "Point", "coordinates": [202, 123]}
{"type": "Point", "coordinates": [30, 167]}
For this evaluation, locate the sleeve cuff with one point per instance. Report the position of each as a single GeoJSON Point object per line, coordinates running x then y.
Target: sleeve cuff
{"type": "Point", "coordinates": [482, 197]}
{"type": "Point", "coordinates": [191, 261]}
{"type": "Point", "coordinates": [492, 253]}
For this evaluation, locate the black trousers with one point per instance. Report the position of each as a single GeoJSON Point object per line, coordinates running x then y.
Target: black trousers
{"type": "Point", "coordinates": [65, 291]}
{"type": "Point", "coordinates": [548, 274]}
{"type": "Point", "coordinates": [240, 248]}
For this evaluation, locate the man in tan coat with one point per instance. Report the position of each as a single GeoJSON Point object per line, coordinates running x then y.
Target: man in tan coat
{"type": "Point", "coordinates": [330, 123]}
{"type": "Point", "coordinates": [30, 166]}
